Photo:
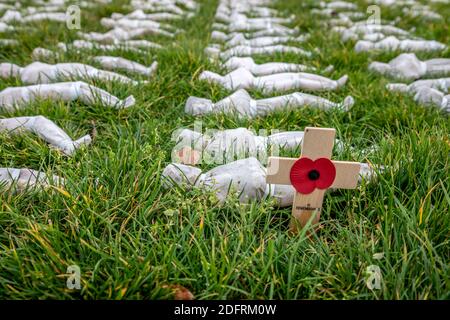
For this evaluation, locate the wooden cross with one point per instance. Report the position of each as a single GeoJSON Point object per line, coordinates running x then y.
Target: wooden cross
{"type": "Point", "coordinates": [315, 176]}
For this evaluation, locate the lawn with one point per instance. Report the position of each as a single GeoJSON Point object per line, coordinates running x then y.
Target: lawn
{"type": "Point", "coordinates": [132, 239]}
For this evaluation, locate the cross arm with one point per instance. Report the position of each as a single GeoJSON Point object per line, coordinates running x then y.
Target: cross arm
{"type": "Point", "coordinates": [279, 169]}
{"type": "Point", "coordinates": [347, 174]}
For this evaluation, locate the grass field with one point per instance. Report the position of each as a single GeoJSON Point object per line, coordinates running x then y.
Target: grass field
{"type": "Point", "coordinates": [131, 238]}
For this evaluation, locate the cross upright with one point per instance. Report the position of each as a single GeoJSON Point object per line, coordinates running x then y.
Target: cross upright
{"type": "Point", "coordinates": [312, 174]}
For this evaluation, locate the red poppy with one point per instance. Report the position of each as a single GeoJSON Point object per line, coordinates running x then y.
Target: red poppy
{"type": "Point", "coordinates": [307, 175]}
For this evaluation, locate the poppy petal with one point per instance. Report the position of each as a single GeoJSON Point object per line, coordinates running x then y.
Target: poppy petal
{"type": "Point", "coordinates": [299, 176]}
{"type": "Point", "coordinates": [327, 172]}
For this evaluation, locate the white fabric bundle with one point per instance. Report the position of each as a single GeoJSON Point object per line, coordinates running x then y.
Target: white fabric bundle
{"type": "Point", "coordinates": [391, 43]}
{"type": "Point", "coordinates": [263, 69]}
{"type": "Point", "coordinates": [245, 51]}
{"type": "Point", "coordinates": [39, 72]}
{"type": "Point", "coordinates": [426, 92]}
{"type": "Point", "coordinates": [240, 103]}
{"type": "Point", "coordinates": [27, 179]}
{"type": "Point", "coordinates": [408, 67]}
{"type": "Point", "coordinates": [45, 129]}
{"type": "Point", "coordinates": [20, 97]}
{"type": "Point", "coordinates": [243, 79]}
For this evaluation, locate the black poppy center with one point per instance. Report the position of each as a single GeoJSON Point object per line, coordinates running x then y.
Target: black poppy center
{"type": "Point", "coordinates": [313, 175]}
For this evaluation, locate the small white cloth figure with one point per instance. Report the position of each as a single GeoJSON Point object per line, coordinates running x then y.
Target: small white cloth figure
{"type": "Point", "coordinates": [130, 24]}
{"type": "Point", "coordinates": [39, 72]}
{"type": "Point", "coordinates": [391, 43]}
{"type": "Point", "coordinates": [19, 97]}
{"type": "Point", "coordinates": [27, 179]}
{"type": "Point", "coordinates": [49, 16]}
{"type": "Point", "coordinates": [240, 20]}
{"type": "Point", "coordinates": [217, 145]}
{"type": "Point", "coordinates": [245, 178]}
{"type": "Point", "coordinates": [43, 54]}
{"type": "Point", "coordinates": [245, 51]}
{"type": "Point", "coordinates": [119, 63]}
{"type": "Point", "coordinates": [243, 79]}
{"type": "Point", "coordinates": [272, 28]}
{"type": "Point", "coordinates": [9, 42]}
{"type": "Point", "coordinates": [116, 35]}
{"type": "Point", "coordinates": [240, 40]}
{"type": "Point", "coordinates": [240, 103]}
{"type": "Point", "coordinates": [156, 7]}
{"type": "Point", "coordinates": [158, 16]}
{"type": "Point", "coordinates": [265, 68]}
{"type": "Point", "coordinates": [46, 130]}
{"type": "Point", "coordinates": [338, 5]}
{"type": "Point", "coordinates": [130, 45]}
{"type": "Point", "coordinates": [221, 37]}
{"type": "Point", "coordinates": [359, 30]}
{"type": "Point", "coordinates": [4, 27]}
{"type": "Point", "coordinates": [408, 67]}
{"type": "Point", "coordinates": [225, 9]}
{"type": "Point", "coordinates": [426, 92]}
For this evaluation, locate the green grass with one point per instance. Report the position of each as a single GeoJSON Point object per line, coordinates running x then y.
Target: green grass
{"type": "Point", "coordinates": [131, 237]}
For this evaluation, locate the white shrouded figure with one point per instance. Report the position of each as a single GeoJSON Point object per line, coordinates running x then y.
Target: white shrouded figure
{"type": "Point", "coordinates": [19, 97]}
{"type": "Point", "coordinates": [245, 177]}
{"type": "Point", "coordinates": [27, 179]}
{"type": "Point", "coordinates": [271, 27]}
{"type": "Point", "coordinates": [359, 30]}
{"type": "Point", "coordinates": [393, 44]}
{"type": "Point", "coordinates": [116, 35]}
{"type": "Point", "coordinates": [216, 145]}
{"type": "Point", "coordinates": [240, 20]}
{"type": "Point", "coordinates": [433, 92]}
{"type": "Point", "coordinates": [46, 130]}
{"type": "Point", "coordinates": [111, 63]}
{"type": "Point", "coordinates": [241, 40]}
{"type": "Point", "coordinates": [265, 68]}
{"type": "Point", "coordinates": [221, 37]}
{"type": "Point", "coordinates": [130, 45]}
{"type": "Point", "coordinates": [4, 27]}
{"type": "Point", "coordinates": [119, 63]}
{"type": "Point", "coordinates": [240, 103]}
{"type": "Point", "coordinates": [245, 51]}
{"type": "Point", "coordinates": [39, 72]}
{"type": "Point", "coordinates": [129, 24]}
{"type": "Point", "coordinates": [243, 79]}
{"type": "Point", "coordinates": [408, 67]}
{"type": "Point", "coordinates": [157, 16]}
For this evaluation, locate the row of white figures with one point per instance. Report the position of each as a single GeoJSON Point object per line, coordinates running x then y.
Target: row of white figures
{"type": "Point", "coordinates": [374, 36]}
{"type": "Point", "coordinates": [413, 8]}
{"type": "Point", "coordinates": [139, 23]}
{"type": "Point", "coordinates": [45, 11]}
{"type": "Point", "coordinates": [264, 32]}
{"type": "Point", "coordinates": [42, 74]}
{"type": "Point", "coordinates": [242, 105]}
{"type": "Point", "coordinates": [245, 178]}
